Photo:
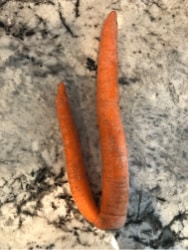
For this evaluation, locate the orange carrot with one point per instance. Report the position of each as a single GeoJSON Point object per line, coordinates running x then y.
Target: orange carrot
{"type": "Point", "coordinates": [115, 184]}
{"type": "Point", "coordinates": [115, 181]}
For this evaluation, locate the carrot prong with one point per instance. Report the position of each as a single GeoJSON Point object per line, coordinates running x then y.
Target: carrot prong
{"type": "Point", "coordinates": [115, 181]}
{"type": "Point", "coordinates": [75, 167]}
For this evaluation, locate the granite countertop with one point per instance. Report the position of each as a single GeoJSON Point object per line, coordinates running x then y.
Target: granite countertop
{"type": "Point", "coordinates": [43, 42]}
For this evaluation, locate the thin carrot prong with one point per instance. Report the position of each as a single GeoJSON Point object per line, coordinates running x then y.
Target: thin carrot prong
{"type": "Point", "coordinates": [75, 167]}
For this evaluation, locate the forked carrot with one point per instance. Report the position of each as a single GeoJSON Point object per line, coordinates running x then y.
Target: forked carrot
{"type": "Point", "coordinates": [115, 183]}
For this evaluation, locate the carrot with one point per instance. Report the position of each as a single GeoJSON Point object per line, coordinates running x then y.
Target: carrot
{"type": "Point", "coordinates": [115, 183]}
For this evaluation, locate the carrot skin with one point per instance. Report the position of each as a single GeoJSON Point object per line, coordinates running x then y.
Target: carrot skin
{"type": "Point", "coordinates": [115, 179]}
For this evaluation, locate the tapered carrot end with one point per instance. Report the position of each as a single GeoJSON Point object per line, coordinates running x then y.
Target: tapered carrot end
{"type": "Point", "coordinates": [111, 19]}
{"type": "Point", "coordinates": [107, 72]}
{"type": "Point", "coordinates": [109, 30]}
{"type": "Point", "coordinates": [112, 15]}
{"type": "Point", "coordinates": [61, 93]}
{"type": "Point", "coordinates": [61, 88]}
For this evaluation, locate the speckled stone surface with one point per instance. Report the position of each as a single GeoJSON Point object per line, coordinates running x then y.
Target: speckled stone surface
{"type": "Point", "coordinates": [43, 42]}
